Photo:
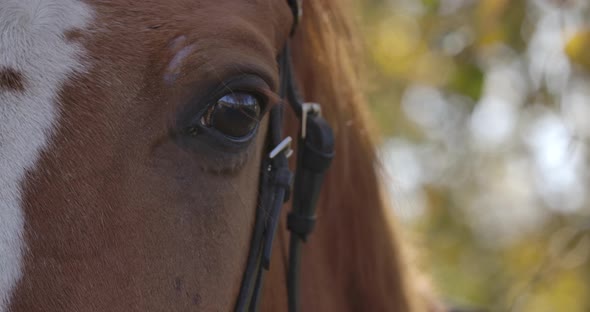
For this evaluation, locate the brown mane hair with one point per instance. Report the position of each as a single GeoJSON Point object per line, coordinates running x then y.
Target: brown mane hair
{"type": "Point", "coordinates": [353, 260]}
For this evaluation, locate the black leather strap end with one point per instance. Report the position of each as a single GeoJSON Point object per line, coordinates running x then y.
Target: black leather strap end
{"type": "Point", "coordinates": [318, 146]}
{"type": "Point", "coordinates": [300, 225]}
{"type": "Point", "coordinates": [284, 178]}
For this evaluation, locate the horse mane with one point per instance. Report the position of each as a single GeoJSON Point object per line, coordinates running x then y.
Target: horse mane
{"type": "Point", "coordinates": [354, 247]}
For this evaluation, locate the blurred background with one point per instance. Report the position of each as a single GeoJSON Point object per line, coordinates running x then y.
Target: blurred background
{"type": "Point", "coordinates": [485, 110]}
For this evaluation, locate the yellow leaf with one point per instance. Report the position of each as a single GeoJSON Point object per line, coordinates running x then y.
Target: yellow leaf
{"type": "Point", "coordinates": [577, 49]}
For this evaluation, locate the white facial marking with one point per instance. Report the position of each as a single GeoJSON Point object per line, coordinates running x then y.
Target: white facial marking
{"type": "Point", "coordinates": [33, 44]}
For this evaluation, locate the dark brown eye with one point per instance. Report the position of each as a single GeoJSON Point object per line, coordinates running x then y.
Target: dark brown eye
{"type": "Point", "coordinates": [235, 114]}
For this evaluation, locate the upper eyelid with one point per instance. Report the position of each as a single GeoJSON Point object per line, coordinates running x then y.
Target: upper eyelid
{"type": "Point", "coordinates": [233, 85]}
{"type": "Point", "coordinates": [272, 99]}
{"type": "Point", "coordinates": [268, 95]}
{"type": "Point", "coordinates": [251, 69]}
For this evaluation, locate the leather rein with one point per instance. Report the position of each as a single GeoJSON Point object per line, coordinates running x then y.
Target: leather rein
{"type": "Point", "coordinates": [315, 150]}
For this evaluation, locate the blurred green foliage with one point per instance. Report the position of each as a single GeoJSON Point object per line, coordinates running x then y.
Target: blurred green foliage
{"type": "Point", "coordinates": [447, 45]}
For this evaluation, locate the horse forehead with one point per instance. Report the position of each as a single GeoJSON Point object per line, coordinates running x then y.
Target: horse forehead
{"type": "Point", "coordinates": [135, 19]}
{"type": "Point", "coordinates": [36, 61]}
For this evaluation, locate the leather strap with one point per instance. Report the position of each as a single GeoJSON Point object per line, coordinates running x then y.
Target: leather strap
{"type": "Point", "coordinates": [275, 183]}
{"type": "Point", "coordinates": [315, 153]}
{"type": "Point", "coordinates": [316, 150]}
{"type": "Point", "coordinates": [297, 10]}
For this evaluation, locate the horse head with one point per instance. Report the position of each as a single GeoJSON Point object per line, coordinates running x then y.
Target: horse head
{"type": "Point", "coordinates": [133, 135]}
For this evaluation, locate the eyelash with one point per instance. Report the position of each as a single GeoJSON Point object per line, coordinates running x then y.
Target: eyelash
{"type": "Point", "coordinates": [196, 128]}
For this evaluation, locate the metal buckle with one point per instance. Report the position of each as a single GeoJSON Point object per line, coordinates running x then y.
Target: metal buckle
{"type": "Point", "coordinates": [308, 108]}
{"type": "Point", "coordinates": [284, 146]}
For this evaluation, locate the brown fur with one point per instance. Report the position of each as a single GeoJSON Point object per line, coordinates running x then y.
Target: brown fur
{"type": "Point", "coordinates": [120, 215]}
{"type": "Point", "coordinates": [122, 218]}
{"type": "Point", "coordinates": [11, 80]}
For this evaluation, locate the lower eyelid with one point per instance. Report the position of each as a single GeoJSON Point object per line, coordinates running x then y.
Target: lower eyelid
{"type": "Point", "coordinates": [217, 156]}
{"type": "Point", "coordinates": [226, 164]}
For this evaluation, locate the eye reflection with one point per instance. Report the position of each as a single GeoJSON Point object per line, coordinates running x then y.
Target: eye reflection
{"type": "Point", "coordinates": [235, 114]}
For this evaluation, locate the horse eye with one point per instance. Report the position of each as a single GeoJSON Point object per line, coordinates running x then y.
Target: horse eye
{"type": "Point", "coordinates": [235, 114]}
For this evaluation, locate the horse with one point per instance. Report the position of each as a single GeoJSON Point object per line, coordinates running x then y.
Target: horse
{"type": "Point", "coordinates": [113, 200]}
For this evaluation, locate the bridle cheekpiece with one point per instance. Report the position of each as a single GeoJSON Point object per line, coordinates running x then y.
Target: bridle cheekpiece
{"type": "Point", "coordinates": [315, 150]}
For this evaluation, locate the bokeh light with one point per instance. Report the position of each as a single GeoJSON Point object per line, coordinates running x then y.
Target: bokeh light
{"type": "Point", "coordinates": [485, 110]}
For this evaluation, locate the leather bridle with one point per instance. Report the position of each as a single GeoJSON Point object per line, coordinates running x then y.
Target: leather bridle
{"type": "Point", "coordinates": [315, 152]}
